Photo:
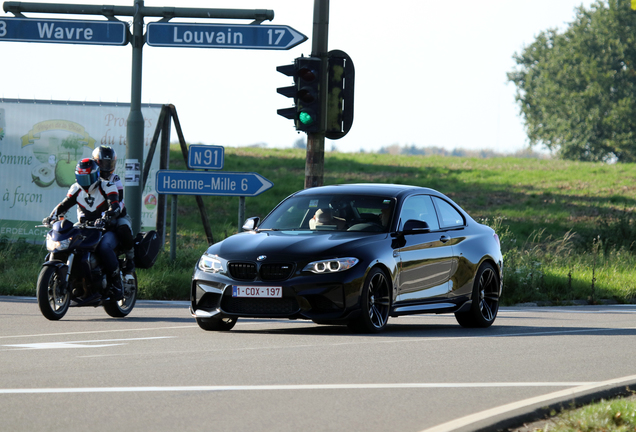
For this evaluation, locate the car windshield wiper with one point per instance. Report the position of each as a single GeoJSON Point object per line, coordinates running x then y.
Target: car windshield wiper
{"type": "Point", "coordinates": [283, 229]}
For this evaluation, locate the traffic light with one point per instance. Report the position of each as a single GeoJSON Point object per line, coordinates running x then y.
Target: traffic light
{"type": "Point", "coordinates": [340, 87]}
{"type": "Point", "coordinates": [308, 103]}
{"type": "Point", "coordinates": [289, 70]}
{"type": "Point", "coordinates": [306, 72]}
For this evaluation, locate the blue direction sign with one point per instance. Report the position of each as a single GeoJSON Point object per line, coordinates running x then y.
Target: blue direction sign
{"type": "Point", "coordinates": [63, 31]}
{"type": "Point", "coordinates": [206, 156]}
{"type": "Point", "coordinates": [211, 183]}
{"type": "Point", "coordinates": [247, 36]}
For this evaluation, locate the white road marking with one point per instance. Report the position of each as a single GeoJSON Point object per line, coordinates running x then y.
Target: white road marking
{"type": "Point", "coordinates": [98, 331]}
{"type": "Point", "coordinates": [288, 387]}
{"type": "Point", "coordinates": [79, 344]}
{"type": "Point", "coordinates": [543, 399]}
{"type": "Point", "coordinates": [621, 309]}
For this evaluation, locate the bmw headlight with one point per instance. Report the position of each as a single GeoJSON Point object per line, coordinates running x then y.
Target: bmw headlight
{"type": "Point", "coordinates": [331, 265]}
{"type": "Point", "coordinates": [57, 245]}
{"type": "Point", "coordinates": [211, 264]}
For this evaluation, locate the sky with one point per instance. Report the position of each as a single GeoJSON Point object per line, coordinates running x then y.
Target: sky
{"type": "Point", "coordinates": [427, 72]}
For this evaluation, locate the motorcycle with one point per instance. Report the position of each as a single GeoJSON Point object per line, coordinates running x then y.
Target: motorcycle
{"type": "Point", "coordinates": [72, 276]}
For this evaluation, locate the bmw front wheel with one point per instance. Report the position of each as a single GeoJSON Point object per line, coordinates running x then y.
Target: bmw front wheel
{"type": "Point", "coordinates": [375, 303]}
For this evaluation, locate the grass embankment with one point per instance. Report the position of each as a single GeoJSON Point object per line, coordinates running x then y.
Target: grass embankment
{"type": "Point", "coordinates": [568, 229]}
{"type": "Point", "coordinates": [618, 415]}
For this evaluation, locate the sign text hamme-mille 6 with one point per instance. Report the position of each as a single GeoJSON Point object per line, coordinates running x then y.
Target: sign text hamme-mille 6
{"type": "Point", "coordinates": [210, 183]}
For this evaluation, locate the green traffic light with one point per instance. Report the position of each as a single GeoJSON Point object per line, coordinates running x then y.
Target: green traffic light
{"type": "Point", "coordinates": [305, 118]}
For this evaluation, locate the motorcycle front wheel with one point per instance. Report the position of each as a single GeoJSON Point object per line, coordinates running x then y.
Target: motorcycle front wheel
{"type": "Point", "coordinates": [121, 308]}
{"type": "Point", "coordinates": [53, 297]}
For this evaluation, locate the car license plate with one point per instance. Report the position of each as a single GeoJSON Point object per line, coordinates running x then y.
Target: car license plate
{"type": "Point", "coordinates": [257, 292]}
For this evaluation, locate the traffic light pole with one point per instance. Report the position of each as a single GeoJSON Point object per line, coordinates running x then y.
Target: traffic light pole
{"type": "Point", "coordinates": [315, 159]}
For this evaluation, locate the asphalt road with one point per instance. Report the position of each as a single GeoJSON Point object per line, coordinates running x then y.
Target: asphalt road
{"type": "Point", "coordinates": [156, 370]}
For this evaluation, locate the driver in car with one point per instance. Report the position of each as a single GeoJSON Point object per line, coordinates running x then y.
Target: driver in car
{"type": "Point", "coordinates": [324, 216]}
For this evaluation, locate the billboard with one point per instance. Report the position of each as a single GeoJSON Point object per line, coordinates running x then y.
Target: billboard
{"type": "Point", "coordinates": [40, 144]}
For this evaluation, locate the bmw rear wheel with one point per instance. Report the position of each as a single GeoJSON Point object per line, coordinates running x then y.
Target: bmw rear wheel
{"type": "Point", "coordinates": [375, 303]}
{"type": "Point", "coordinates": [485, 304]}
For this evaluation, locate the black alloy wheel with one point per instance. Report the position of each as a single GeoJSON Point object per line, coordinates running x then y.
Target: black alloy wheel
{"type": "Point", "coordinates": [485, 305]}
{"type": "Point", "coordinates": [375, 303]}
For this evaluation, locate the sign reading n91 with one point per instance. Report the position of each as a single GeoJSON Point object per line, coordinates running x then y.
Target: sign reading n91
{"type": "Point", "coordinates": [175, 182]}
{"type": "Point", "coordinates": [206, 156]}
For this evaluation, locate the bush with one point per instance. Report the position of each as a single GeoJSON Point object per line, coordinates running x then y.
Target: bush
{"type": "Point", "coordinates": [565, 269]}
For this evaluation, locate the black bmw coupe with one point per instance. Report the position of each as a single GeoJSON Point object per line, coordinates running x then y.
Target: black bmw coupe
{"type": "Point", "coordinates": [353, 254]}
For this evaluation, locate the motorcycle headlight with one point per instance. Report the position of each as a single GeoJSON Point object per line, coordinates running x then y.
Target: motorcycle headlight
{"type": "Point", "coordinates": [211, 264]}
{"type": "Point", "coordinates": [331, 266]}
{"type": "Point", "coordinates": [57, 245]}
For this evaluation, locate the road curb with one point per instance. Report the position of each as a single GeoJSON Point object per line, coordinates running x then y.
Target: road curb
{"type": "Point", "coordinates": [537, 408]}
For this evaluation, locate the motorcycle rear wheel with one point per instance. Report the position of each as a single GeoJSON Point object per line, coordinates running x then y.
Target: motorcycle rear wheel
{"type": "Point", "coordinates": [121, 308]}
{"type": "Point", "coordinates": [53, 298]}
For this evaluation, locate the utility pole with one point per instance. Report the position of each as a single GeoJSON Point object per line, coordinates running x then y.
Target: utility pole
{"type": "Point", "coordinates": [315, 160]}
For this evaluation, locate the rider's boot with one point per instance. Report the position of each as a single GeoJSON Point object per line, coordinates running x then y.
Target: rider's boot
{"type": "Point", "coordinates": [117, 289]}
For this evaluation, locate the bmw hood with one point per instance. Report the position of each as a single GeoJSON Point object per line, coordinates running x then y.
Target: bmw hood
{"type": "Point", "coordinates": [292, 245]}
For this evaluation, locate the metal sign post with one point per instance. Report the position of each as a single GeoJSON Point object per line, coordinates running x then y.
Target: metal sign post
{"type": "Point", "coordinates": [241, 184]}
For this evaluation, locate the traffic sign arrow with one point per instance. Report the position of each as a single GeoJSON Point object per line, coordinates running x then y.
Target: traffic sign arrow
{"type": "Point", "coordinates": [90, 32]}
{"type": "Point", "coordinates": [174, 182]}
{"type": "Point", "coordinates": [246, 36]}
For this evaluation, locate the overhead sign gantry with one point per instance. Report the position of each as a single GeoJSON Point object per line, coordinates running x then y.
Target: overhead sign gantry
{"type": "Point", "coordinates": [79, 31]}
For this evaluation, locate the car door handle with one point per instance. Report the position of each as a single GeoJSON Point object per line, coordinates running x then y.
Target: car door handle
{"type": "Point", "coordinates": [444, 239]}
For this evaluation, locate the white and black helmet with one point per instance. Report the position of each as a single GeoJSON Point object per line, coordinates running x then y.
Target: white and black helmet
{"type": "Point", "coordinates": [106, 158]}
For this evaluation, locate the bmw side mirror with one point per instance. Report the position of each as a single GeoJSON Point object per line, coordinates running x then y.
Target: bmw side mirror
{"type": "Point", "coordinates": [413, 226]}
{"type": "Point", "coordinates": [251, 224]}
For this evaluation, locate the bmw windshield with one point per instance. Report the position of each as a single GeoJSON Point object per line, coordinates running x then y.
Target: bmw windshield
{"type": "Point", "coordinates": [332, 213]}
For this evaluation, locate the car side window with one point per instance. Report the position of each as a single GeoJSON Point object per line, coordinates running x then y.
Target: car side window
{"type": "Point", "coordinates": [419, 207]}
{"type": "Point", "coordinates": [448, 215]}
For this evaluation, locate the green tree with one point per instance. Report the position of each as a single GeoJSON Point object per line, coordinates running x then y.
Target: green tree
{"type": "Point", "coordinates": [577, 89]}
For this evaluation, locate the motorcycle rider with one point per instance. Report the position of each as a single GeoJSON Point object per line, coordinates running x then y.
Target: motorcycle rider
{"type": "Point", "coordinates": [97, 201]}
{"type": "Point", "coordinates": [106, 158]}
